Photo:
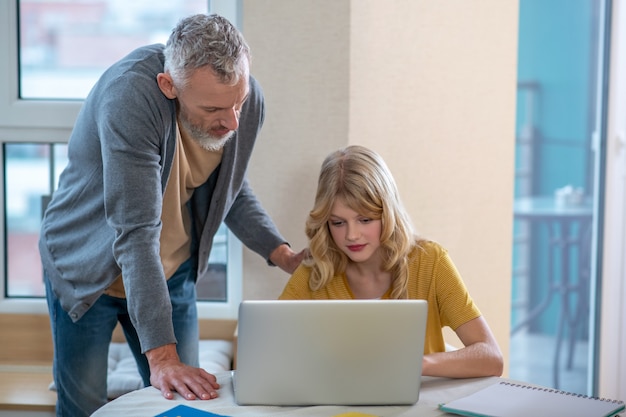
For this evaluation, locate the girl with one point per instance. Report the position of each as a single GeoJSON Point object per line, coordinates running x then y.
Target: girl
{"type": "Point", "coordinates": [362, 246]}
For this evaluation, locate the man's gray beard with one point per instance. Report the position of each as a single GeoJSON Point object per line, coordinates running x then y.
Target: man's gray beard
{"type": "Point", "coordinates": [211, 143]}
{"type": "Point", "coordinates": [206, 140]}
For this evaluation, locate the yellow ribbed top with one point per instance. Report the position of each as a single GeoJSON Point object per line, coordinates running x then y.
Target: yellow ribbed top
{"type": "Point", "coordinates": [432, 277]}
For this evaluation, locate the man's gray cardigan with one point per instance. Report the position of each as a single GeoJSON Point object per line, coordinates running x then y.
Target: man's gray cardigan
{"type": "Point", "coordinates": [105, 217]}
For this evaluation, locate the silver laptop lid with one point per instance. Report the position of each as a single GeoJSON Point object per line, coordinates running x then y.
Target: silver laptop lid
{"type": "Point", "coordinates": [342, 352]}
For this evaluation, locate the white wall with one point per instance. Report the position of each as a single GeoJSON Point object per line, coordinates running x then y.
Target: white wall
{"type": "Point", "coordinates": [429, 85]}
{"type": "Point", "coordinates": [612, 322]}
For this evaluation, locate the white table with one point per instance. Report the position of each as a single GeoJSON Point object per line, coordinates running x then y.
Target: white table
{"type": "Point", "coordinates": [149, 402]}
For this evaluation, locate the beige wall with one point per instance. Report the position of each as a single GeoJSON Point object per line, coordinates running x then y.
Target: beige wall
{"type": "Point", "coordinates": [429, 85]}
{"type": "Point", "coordinates": [301, 56]}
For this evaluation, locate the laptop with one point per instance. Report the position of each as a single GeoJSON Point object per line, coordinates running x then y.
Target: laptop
{"type": "Point", "coordinates": [329, 352]}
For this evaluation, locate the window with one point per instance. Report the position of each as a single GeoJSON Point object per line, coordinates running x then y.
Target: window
{"type": "Point", "coordinates": [60, 51]}
{"type": "Point", "coordinates": [30, 170]}
{"type": "Point", "coordinates": [64, 46]}
{"type": "Point", "coordinates": [558, 192]}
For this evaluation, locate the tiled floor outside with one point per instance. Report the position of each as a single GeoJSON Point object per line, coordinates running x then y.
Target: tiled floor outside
{"type": "Point", "coordinates": [532, 358]}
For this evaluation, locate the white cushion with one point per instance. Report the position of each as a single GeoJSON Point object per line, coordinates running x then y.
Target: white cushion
{"type": "Point", "coordinates": [123, 376]}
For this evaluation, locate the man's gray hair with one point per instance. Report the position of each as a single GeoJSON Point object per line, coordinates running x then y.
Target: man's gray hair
{"type": "Point", "coordinates": [206, 40]}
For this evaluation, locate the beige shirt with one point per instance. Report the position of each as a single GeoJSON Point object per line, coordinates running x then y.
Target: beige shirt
{"type": "Point", "coordinates": [191, 167]}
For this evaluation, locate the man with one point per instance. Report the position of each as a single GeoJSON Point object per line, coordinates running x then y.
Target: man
{"type": "Point", "coordinates": [157, 160]}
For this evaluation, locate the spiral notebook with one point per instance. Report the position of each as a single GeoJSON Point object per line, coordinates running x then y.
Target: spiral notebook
{"type": "Point", "coordinates": [505, 399]}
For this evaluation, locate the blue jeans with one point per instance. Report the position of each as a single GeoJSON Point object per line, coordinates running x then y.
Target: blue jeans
{"type": "Point", "coordinates": [81, 349]}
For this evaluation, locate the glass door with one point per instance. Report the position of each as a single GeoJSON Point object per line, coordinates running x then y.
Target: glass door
{"type": "Point", "coordinates": [557, 193]}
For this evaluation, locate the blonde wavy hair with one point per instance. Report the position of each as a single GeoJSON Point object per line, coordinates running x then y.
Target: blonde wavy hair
{"type": "Point", "coordinates": [361, 177]}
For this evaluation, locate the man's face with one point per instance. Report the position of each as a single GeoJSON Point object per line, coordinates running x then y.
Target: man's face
{"type": "Point", "coordinates": [209, 110]}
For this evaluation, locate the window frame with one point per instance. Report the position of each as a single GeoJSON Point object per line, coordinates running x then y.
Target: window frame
{"type": "Point", "coordinates": [27, 120]}
{"type": "Point", "coordinates": [611, 356]}
{"type": "Point", "coordinates": [50, 121]}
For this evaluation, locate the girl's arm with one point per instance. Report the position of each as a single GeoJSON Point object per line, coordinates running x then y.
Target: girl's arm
{"type": "Point", "coordinates": [481, 355]}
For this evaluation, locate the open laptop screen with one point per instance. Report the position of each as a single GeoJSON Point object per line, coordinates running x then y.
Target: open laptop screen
{"type": "Point", "coordinates": [342, 352]}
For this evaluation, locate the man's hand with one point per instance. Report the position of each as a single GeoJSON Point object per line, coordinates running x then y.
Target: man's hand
{"type": "Point", "coordinates": [286, 259]}
{"type": "Point", "coordinates": [169, 374]}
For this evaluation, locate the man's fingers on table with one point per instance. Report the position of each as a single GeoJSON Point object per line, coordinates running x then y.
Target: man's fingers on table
{"type": "Point", "coordinates": [212, 380]}
{"type": "Point", "coordinates": [166, 392]}
{"type": "Point", "coordinates": [189, 382]}
{"type": "Point", "coordinates": [192, 383]}
{"type": "Point", "coordinates": [202, 384]}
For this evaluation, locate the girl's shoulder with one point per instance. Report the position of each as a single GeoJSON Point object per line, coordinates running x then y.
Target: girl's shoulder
{"type": "Point", "coordinates": [427, 248]}
{"type": "Point", "coordinates": [303, 271]}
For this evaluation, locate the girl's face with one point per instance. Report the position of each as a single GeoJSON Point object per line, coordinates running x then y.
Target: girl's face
{"type": "Point", "coordinates": [356, 235]}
